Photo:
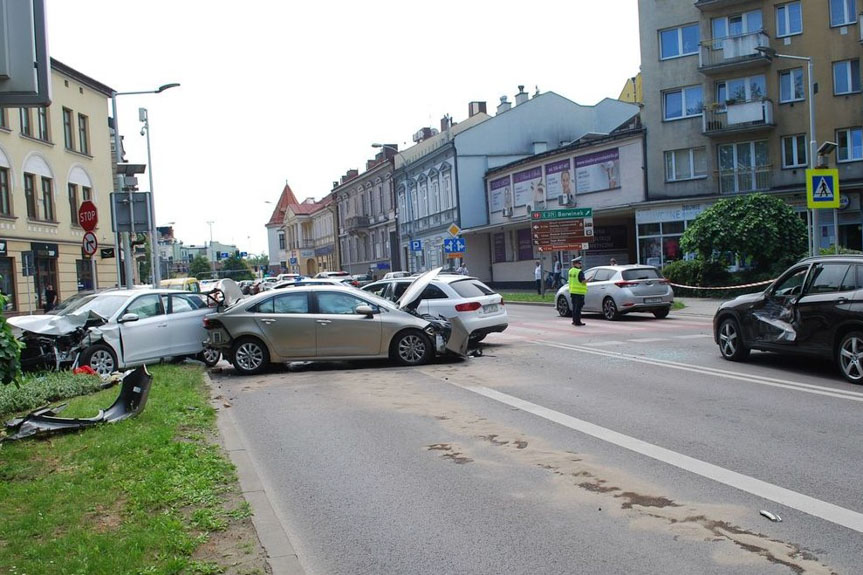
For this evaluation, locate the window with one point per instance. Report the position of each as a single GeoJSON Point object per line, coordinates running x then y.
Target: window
{"type": "Point", "coordinates": [42, 117]}
{"type": "Point", "coordinates": [789, 19]}
{"type": "Point", "coordinates": [73, 203]}
{"type": "Point", "coordinates": [792, 283]}
{"type": "Point", "coordinates": [737, 25]}
{"type": "Point", "coordinates": [846, 77]}
{"type": "Point", "coordinates": [7, 282]}
{"type": "Point", "coordinates": [791, 85]}
{"type": "Point", "coordinates": [683, 103]}
{"type": "Point", "coordinates": [338, 303]}
{"type": "Point", "coordinates": [4, 118]}
{"type": "Point", "coordinates": [468, 288]}
{"type": "Point", "coordinates": [843, 12]}
{"type": "Point", "coordinates": [828, 278]}
{"type": "Point", "coordinates": [83, 134]}
{"type": "Point", "coordinates": [30, 195]}
{"type": "Point", "coordinates": [850, 142]}
{"type": "Point", "coordinates": [685, 164]}
{"type": "Point", "coordinates": [794, 151]}
{"type": "Point", "coordinates": [741, 89]}
{"type": "Point", "coordinates": [145, 306]}
{"type": "Point", "coordinates": [67, 129]}
{"type": "Point", "coordinates": [291, 303]}
{"type": "Point", "coordinates": [5, 200]}
{"type": "Point", "coordinates": [281, 240]}
{"type": "Point", "coordinates": [26, 127]}
{"type": "Point", "coordinates": [86, 194]}
{"type": "Point", "coordinates": [676, 42]}
{"type": "Point", "coordinates": [743, 167]}
{"type": "Point", "coordinates": [48, 200]}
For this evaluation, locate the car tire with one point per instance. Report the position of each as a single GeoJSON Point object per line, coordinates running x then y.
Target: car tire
{"type": "Point", "coordinates": [411, 347]}
{"type": "Point", "coordinates": [101, 358]}
{"type": "Point", "coordinates": [563, 307]}
{"type": "Point", "coordinates": [477, 338]}
{"type": "Point", "coordinates": [849, 357]}
{"type": "Point", "coordinates": [250, 356]}
{"type": "Point", "coordinates": [609, 309]}
{"type": "Point", "coordinates": [210, 356]}
{"type": "Point", "coordinates": [661, 313]}
{"type": "Point", "coordinates": [731, 340]}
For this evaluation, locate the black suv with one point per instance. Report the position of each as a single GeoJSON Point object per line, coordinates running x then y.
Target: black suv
{"type": "Point", "coordinates": [815, 308]}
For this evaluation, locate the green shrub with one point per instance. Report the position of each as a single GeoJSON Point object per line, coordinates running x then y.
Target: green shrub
{"type": "Point", "coordinates": [10, 350]}
{"type": "Point", "coordinates": [39, 389]}
{"type": "Point", "coordinates": [698, 273]}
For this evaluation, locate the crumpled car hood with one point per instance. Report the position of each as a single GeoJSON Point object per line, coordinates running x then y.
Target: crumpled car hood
{"type": "Point", "coordinates": [230, 289]}
{"type": "Point", "coordinates": [50, 324]}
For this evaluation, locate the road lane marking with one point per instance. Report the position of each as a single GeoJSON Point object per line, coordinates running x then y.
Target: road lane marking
{"type": "Point", "coordinates": [604, 343]}
{"type": "Point", "coordinates": [806, 504]}
{"type": "Point", "coordinates": [749, 378]}
{"type": "Point", "coordinates": [692, 336]}
{"type": "Point", "coordinates": [648, 339]}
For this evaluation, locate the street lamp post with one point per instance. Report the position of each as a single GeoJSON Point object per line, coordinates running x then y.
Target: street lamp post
{"type": "Point", "coordinates": [212, 253]}
{"type": "Point", "coordinates": [155, 264]}
{"type": "Point", "coordinates": [118, 156]}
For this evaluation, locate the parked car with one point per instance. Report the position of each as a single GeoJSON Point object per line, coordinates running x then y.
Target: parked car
{"type": "Point", "coordinates": [324, 323]}
{"type": "Point", "coordinates": [359, 280]}
{"type": "Point", "coordinates": [117, 329]}
{"type": "Point", "coordinates": [395, 275]}
{"type": "Point", "coordinates": [617, 290]}
{"type": "Point", "coordinates": [332, 274]}
{"type": "Point", "coordinates": [185, 284]}
{"type": "Point", "coordinates": [815, 308]}
{"type": "Point", "coordinates": [311, 282]}
{"type": "Point", "coordinates": [479, 307]}
{"type": "Point", "coordinates": [288, 277]}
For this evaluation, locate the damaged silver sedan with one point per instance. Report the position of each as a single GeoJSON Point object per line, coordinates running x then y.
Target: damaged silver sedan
{"type": "Point", "coordinates": [117, 329]}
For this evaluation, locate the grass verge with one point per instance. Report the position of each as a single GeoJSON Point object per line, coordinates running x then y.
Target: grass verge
{"type": "Point", "coordinates": [149, 495]}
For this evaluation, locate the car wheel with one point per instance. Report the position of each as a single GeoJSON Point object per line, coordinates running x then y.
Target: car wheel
{"type": "Point", "coordinates": [563, 307]}
{"type": "Point", "coordinates": [661, 313]}
{"type": "Point", "coordinates": [411, 347]}
{"type": "Point", "coordinates": [250, 356]}
{"type": "Point", "coordinates": [210, 356]}
{"type": "Point", "coordinates": [609, 309]}
{"type": "Point", "coordinates": [101, 358]}
{"type": "Point", "coordinates": [477, 338]}
{"type": "Point", "coordinates": [850, 357]}
{"type": "Point", "coordinates": [731, 341]}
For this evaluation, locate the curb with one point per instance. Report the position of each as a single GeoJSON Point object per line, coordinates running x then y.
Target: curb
{"type": "Point", "coordinates": [685, 311]}
{"type": "Point", "coordinates": [281, 556]}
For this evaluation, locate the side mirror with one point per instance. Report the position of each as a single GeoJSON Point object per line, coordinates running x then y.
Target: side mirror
{"type": "Point", "coordinates": [127, 317]}
{"type": "Point", "coordinates": [365, 310]}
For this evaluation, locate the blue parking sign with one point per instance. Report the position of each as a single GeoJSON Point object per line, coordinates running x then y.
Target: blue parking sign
{"type": "Point", "coordinates": [416, 245]}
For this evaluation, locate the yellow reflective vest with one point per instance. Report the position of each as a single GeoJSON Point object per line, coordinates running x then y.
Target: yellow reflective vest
{"type": "Point", "coordinates": [576, 286]}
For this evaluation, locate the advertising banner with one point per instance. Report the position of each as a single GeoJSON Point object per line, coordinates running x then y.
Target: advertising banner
{"type": "Point", "coordinates": [497, 189]}
{"type": "Point", "coordinates": [499, 248]}
{"type": "Point", "coordinates": [527, 185]}
{"type": "Point", "coordinates": [598, 171]}
{"type": "Point", "coordinates": [558, 179]}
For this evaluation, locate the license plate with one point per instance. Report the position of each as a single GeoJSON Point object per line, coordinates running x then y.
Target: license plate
{"type": "Point", "coordinates": [652, 300]}
{"type": "Point", "coordinates": [491, 308]}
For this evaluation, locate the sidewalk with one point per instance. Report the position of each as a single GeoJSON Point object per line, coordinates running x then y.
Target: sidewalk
{"type": "Point", "coordinates": [704, 307]}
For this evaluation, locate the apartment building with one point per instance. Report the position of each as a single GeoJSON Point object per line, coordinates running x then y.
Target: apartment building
{"type": "Point", "coordinates": [727, 109]}
{"type": "Point", "coordinates": [367, 217]}
{"type": "Point", "coordinates": [51, 159]}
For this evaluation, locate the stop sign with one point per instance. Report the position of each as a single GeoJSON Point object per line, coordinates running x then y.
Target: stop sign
{"type": "Point", "coordinates": [87, 216]}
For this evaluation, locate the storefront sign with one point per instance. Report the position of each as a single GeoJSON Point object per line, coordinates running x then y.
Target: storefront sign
{"type": "Point", "coordinates": [44, 250]}
{"type": "Point", "coordinates": [499, 191]}
{"type": "Point", "coordinates": [558, 180]}
{"type": "Point", "coordinates": [527, 185]}
{"type": "Point", "coordinates": [598, 171]}
{"type": "Point", "coordinates": [3, 248]}
{"type": "Point", "coordinates": [106, 253]}
{"type": "Point", "coordinates": [678, 213]}
{"type": "Point", "coordinates": [610, 238]}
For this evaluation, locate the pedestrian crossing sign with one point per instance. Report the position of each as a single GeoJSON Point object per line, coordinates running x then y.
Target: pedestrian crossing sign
{"type": "Point", "coordinates": [822, 188]}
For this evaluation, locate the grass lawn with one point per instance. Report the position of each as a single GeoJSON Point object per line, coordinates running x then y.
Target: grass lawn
{"type": "Point", "coordinates": [150, 495]}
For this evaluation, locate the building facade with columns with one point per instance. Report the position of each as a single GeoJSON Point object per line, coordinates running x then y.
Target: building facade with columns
{"type": "Point", "coordinates": [51, 159]}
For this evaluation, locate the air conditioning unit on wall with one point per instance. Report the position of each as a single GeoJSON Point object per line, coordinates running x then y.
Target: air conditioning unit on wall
{"type": "Point", "coordinates": [507, 212]}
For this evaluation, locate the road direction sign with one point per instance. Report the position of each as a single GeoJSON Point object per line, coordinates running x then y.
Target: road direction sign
{"type": "Point", "coordinates": [454, 230]}
{"type": "Point", "coordinates": [454, 246]}
{"type": "Point", "coordinates": [88, 217]}
{"type": "Point", "coordinates": [564, 214]}
{"type": "Point", "coordinates": [89, 243]}
{"type": "Point", "coordinates": [822, 189]}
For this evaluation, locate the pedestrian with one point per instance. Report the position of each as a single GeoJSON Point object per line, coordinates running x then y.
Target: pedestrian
{"type": "Point", "coordinates": [577, 290]}
{"type": "Point", "coordinates": [464, 271]}
{"type": "Point", "coordinates": [50, 298]}
{"type": "Point", "coordinates": [537, 276]}
{"type": "Point", "coordinates": [557, 281]}
{"type": "Point", "coordinates": [612, 262]}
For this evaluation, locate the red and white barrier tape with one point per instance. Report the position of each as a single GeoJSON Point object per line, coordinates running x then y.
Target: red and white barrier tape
{"type": "Point", "coordinates": [727, 287]}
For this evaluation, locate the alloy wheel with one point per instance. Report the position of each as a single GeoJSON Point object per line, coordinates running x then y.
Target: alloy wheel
{"type": "Point", "coordinates": [102, 362]}
{"type": "Point", "coordinates": [249, 356]}
{"type": "Point", "coordinates": [851, 357]}
{"type": "Point", "coordinates": [562, 306]}
{"type": "Point", "coordinates": [412, 348]}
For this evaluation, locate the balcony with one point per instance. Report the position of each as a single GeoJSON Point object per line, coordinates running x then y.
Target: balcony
{"type": "Point", "coordinates": [742, 180]}
{"type": "Point", "coordinates": [737, 117]}
{"type": "Point", "coordinates": [734, 53]}
{"type": "Point", "coordinates": [714, 5]}
{"type": "Point", "coordinates": [356, 223]}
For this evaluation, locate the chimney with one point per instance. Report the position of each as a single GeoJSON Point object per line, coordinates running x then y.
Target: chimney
{"type": "Point", "coordinates": [445, 123]}
{"type": "Point", "coordinates": [371, 163]}
{"type": "Point", "coordinates": [335, 184]}
{"type": "Point", "coordinates": [350, 174]}
{"type": "Point", "coordinates": [474, 108]}
{"type": "Point", "coordinates": [521, 97]}
{"type": "Point", "coordinates": [503, 106]}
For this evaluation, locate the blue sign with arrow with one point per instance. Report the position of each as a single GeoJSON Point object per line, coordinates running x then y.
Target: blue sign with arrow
{"type": "Point", "coordinates": [454, 245]}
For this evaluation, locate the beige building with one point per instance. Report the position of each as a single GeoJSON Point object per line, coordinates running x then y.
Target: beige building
{"type": "Point", "coordinates": [51, 159]}
{"type": "Point", "coordinates": [727, 110]}
{"type": "Point", "coordinates": [306, 233]}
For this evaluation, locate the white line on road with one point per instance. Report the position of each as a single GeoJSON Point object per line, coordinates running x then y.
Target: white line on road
{"type": "Point", "coordinates": [815, 507]}
{"type": "Point", "coordinates": [692, 336]}
{"type": "Point", "coordinates": [750, 378]}
{"type": "Point", "coordinates": [604, 343]}
{"type": "Point", "coordinates": [648, 339]}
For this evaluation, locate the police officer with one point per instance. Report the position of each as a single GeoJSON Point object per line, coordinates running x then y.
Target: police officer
{"type": "Point", "coordinates": [577, 289]}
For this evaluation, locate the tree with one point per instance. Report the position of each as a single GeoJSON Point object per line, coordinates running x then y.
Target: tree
{"type": "Point", "coordinates": [756, 228]}
{"type": "Point", "coordinates": [200, 267]}
{"type": "Point", "coordinates": [262, 261]}
{"type": "Point", "coordinates": [235, 268]}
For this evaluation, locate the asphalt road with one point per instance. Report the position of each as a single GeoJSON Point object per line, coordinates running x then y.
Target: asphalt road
{"type": "Point", "coordinates": [619, 447]}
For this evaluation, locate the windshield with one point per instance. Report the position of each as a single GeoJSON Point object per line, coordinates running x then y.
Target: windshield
{"type": "Point", "coordinates": [104, 305]}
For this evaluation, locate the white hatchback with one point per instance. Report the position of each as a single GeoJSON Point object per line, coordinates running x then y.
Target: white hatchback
{"type": "Point", "coordinates": [479, 307]}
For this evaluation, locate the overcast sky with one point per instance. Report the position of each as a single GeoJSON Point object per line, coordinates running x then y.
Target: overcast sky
{"type": "Point", "coordinates": [279, 90]}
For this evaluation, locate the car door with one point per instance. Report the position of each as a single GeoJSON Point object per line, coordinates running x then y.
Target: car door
{"type": "Point", "coordinates": [286, 324]}
{"type": "Point", "coordinates": [597, 288]}
{"type": "Point", "coordinates": [772, 321]}
{"type": "Point", "coordinates": [341, 331]}
{"type": "Point", "coordinates": [185, 321]}
{"type": "Point", "coordinates": [148, 337]}
{"type": "Point", "coordinates": [825, 298]}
